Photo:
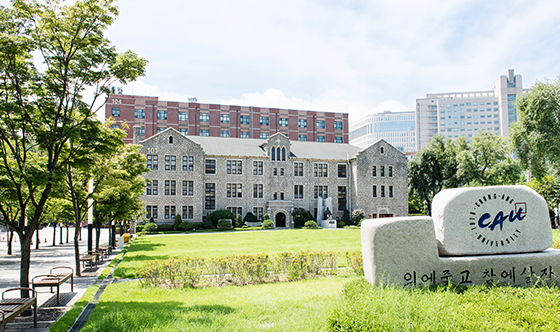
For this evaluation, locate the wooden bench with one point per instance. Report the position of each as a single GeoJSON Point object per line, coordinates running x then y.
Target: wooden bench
{"type": "Point", "coordinates": [13, 307]}
{"type": "Point", "coordinates": [104, 250]}
{"type": "Point", "coordinates": [55, 279]}
{"type": "Point", "coordinates": [92, 259]}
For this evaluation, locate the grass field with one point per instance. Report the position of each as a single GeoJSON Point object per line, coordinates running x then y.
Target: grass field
{"type": "Point", "coordinates": [147, 248]}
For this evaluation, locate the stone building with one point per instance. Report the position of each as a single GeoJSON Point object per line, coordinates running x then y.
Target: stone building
{"type": "Point", "coordinates": [194, 175]}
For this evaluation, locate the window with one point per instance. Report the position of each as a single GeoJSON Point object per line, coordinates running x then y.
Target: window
{"type": "Point", "coordinates": [298, 191]}
{"type": "Point", "coordinates": [374, 171]}
{"type": "Point", "coordinates": [282, 171]}
{"type": "Point", "coordinates": [320, 170]}
{"type": "Point", "coordinates": [321, 191]}
{"type": "Point", "coordinates": [210, 196]}
{"type": "Point", "coordinates": [281, 196]}
{"type": "Point", "coordinates": [298, 169]}
{"type": "Point", "coordinates": [390, 171]}
{"type": "Point", "coordinates": [204, 117]}
{"type": "Point", "coordinates": [142, 131]}
{"type": "Point", "coordinates": [162, 115]}
{"type": "Point", "coordinates": [341, 170]}
{"type": "Point", "coordinates": [302, 138]}
{"type": "Point", "coordinates": [382, 150]}
{"type": "Point", "coordinates": [338, 139]}
{"type": "Point", "coordinates": [151, 211]}
{"type": "Point", "coordinates": [382, 170]}
{"type": "Point", "coordinates": [235, 210]}
{"type": "Point", "coordinates": [283, 154]}
{"type": "Point", "coordinates": [224, 118]}
{"type": "Point", "coordinates": [184, 131]}
{"type": "Point", "coordinates": [224, 133]}
{"type": "Point", "coordinates": [283, 122]}
{"type": "Point", "coordinates": [115, 126]}
{"type": "Point", "coordinates": [374, 191]}
{"type": "Point", "coordinates": [244, 119]}
{"type": "Point", "coordinates": [382, 191]}
{"type": "Point", "coordinates": [234, 167]}
{"type": "Point", "coordinates": [244, 134]}
{"type": "Point", "coordinates": [264, 136]}
{"type": "Point", "coordinates": [149, 188]}
{"type": "Point", "coordinates": [152, 161]}
{"type": "Point", "coordinates": [204, 132]}
{"type": "Point", "coordinates": [320, 138]}
{"type": "Point", "coordinates": [264, 120]}
{"type": "Point", "coordinates": [341, 198]}
{"type": "Point", "coordinates": [302, 123]}
{"type": "Point", "coordinates": [390, 191]}
{"type": "Point", "coordinates": [210, 166]}
{"type": "Point", "coordinates": [258, 212]}
{"type": "Point", "coordinates": [169, 212]}
{"type": "Point", "coordinates": [257, 191]}
{"type": "Point", "coordinates": [275, 196]}
{"type": "Point", "coordinates": [170, 188]}
{"type": "Point", "coordinates": [257, 168]}
{"type": "Point", "coordinates": [188, 188]}
{"type": "Point", "coordinates": [139, 114]}
{"type": "Point", "coordinates": [183, 116]}
{"type": "Point", "coordinates": [116, 111]}
{"type": "Point", "coordinates": [275, 171]}
{"type": "Point", "coordinates": [338, 125]}
{"type": "Point", "coordinates": [233, 190]}
{"type": "Point", "coordinates": [188, 212]}
{"type": "Point", "coordinates": [188, 163]}
{"type": "Point", "coordinates": [170, 163]}
{"type": "Point", "coordinates": [320, 124]}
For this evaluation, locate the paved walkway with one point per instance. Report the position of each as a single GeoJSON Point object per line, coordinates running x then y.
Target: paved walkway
{"type": "Point", "coordinates": [42, 260]}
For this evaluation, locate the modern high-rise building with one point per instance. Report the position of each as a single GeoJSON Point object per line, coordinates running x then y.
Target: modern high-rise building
{"type": "Point", "coordinates": [198, 119]}
{"type": "Point", "coordinates": [455, 114]}
{"type": "Point", "coordinates": [396, 128]}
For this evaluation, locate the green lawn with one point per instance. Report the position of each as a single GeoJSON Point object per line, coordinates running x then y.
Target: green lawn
{"type": "Point", "coordinates": [146, 248]}
{"type": "Point", "coordinates": [556, 238]}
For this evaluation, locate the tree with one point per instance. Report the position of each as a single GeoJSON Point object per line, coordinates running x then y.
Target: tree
{"type": "Point", "coordinates": [357, 216]}
{"type": "Point", "coordinates": [177, 222]}
{"type": "Point", "coordinates": [487, 161]}
{"type": "Point", "coordinates": [42, 110]}
{"type": "Point", "coordinates": [300, 216]}
{"type": "Point", "coordinates": [212, 218]}
{"type": "Point", "coordinates": [536, 133]}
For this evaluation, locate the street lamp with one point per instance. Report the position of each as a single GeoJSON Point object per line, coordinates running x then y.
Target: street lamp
{"type": "Point", "coordinates": [90, 215]}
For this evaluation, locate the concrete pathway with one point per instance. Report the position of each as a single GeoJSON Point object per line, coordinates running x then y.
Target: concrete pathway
{"type": "Point", "coordinates": [42, 260]}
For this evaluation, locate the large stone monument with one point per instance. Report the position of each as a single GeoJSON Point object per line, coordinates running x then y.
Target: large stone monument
{"type": "Point", "coordinates": [481, 235]}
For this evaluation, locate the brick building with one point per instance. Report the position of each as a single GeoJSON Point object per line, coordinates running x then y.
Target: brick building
{"type": "Point", "coordinates": [196, 175]}
{"type": "Point", "coordinates": [215, 120]}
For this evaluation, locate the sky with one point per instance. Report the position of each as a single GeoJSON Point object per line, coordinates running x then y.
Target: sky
{"type": "Point", "coordinates": [349, 56]}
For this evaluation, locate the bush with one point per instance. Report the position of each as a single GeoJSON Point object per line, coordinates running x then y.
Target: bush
{"type": "Point", "coordinates": [301, 216]}
{"type": "Point", "coordinates": [245, 226]}
{"type": "Point", "coordinates": [266, 217]}
{"type": "Point", "coordinates": [341, 224]}
{"type": "Point", "coordinates": [152, 220]}
{"type": "Point", "coordinates": [151, 227]}
{"type": "Point", "coordinates": [238, 221]}
{"type": "Point", "coordinates": [357, 216]}
{"type": "Point", "coordinates": [185, 226]}
{"type": "Point", "coordinates": [310, 224]}
{"type": "Point", "coordinates": [165, 227]}
{"type": "Point", "coordinates": [224, 224]}
{"type": "Point", "coordinates": [250, 217]}
{"type": "Point", "coordinates": [212, 218]}
{"type": "Point", "coordinates": [139, 228]}
{"type": "Point", "coordinates": [177, 222]}
{"type": "Point", "coordinates": [346, 217]}
{"type": "Point", "coordinates": [267, 224]}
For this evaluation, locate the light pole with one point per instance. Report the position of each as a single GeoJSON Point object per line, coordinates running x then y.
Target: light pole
{"type": "Point", "coordinates": [90, 215]}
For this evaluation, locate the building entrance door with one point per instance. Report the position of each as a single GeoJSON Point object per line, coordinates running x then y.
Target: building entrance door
{"type": "Point", "coordinates": [280, 219]}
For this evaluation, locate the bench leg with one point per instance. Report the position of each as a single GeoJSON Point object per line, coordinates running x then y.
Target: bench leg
{"type": "Point", "coordinates": [72, 283]}
{"type": "Point", "coordinates": [58, 295]}
{"type": "Point", "coordinates": [35, 313]}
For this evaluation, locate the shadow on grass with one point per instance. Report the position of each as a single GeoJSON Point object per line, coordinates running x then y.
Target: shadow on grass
{"type": "Point", "coordinates": [145, 247]}
{"type": "Point", "coordinates": [143, 316]}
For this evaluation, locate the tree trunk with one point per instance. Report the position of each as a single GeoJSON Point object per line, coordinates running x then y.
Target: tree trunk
{"type": "Point", "coordinates": [67, 231]}
{"type": "Point", "coordinates": [25, 242]}
{"type": "Point", "coordinates": [61, 233]}
{"type": "Point", "coordinates": [10, 237]}
{"type": "Point", "coordinates": [110, 239]}
{"type": "Point", "coordinates": [114, 236]}
{"type": "Point", "coordinates": [54, 235]}
{"type": "Point", "coordinates": [37, 238]}
{"type": "Point", "coordinates": [77, 249]}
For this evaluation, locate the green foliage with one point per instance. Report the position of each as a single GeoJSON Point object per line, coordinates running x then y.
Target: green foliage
{"type": "Point", "coordinates": [238, 221]}
{"type": "Point", "coordinates": [340, 224]}
{"type": "Point", "coordinates": [346, 217]}
{"type": "Point", "coordinates": [357, 216]}
{"type": "Point", "coordinates": [250, 217]}
{"type": "Point", "coordinates": [453, 308]}
{"type": "Point", "coordinates": [300, 216]}
{"type": "Point", "coordinates": [212, 218]}
{"type": "Point", "coordinates": [310, 224]}
{"type": "Point", "coordinates": [266, 217]}
{"type": "Point", "coordinates": [224, 224]}
{"type": "Point", "coordinates": [267, 224]}
{"type": "Point", "coordinates": [415, 205]}
{"type": "Point", "coordinates": [165, 228]}
{"type": "Point", "coordinates": [139, 228]}
{"type": "Point", "coordinates": [536, 133]}
{"type": "Point", "coordinates": [65, 322]}
{"type": "Point", "coordinates": [151, 220]}
{"type": "Point", "coordinates": [355, 262]}
{"type": "Point", "coordinates": [177, 221]}
{"type": "Point", "coordinates": [151, 227]}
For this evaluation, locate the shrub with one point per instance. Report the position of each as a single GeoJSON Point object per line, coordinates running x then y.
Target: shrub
{"type": "Point", "coordinates": [238, 221]}
{"type": "Point", "coordinates": [310, 224]}
{"type": "Point", "coordinates": [266, 217]}
{"type": "Point", "coordinates": [245, 226]}
{"type": "Point", "coordinates": [165, 227]}
{"type": "Point", "coordinates": [301, 216]}
{"type": "Point", "coordinates": [357, 216]}
{"type": "Point", "coordinates": [139, 228]}
{"type": "Point", "coordinates": [184, 226]}
{"type": "Point", "coordinates": [224, 224]}
{"type": "Point", "coordinates": [212, 218]}
{"type": "Point", "coordinates": [152, 220]}
{"type": "Point", "coordinates": [151, 227]}
{"type": "Point", "coordinates": [341, 224]}
{"type": "Point", "coordinates": [177, 222]}
{"type": "Point", "coordinates": [267, 224]}
{"type": "Point", "coordinates": [346, 217]}
{"type": "Point", "coordinates": [250, 217]}
{"type": "Point", "coordinates": [355, 262]}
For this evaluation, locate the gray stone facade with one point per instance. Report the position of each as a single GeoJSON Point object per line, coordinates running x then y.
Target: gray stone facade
{"type": "Point", "coordinates": [243, 176]}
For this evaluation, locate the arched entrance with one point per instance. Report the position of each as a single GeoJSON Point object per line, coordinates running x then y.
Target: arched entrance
{"type": "Point", "coordinates": [280, 219]}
